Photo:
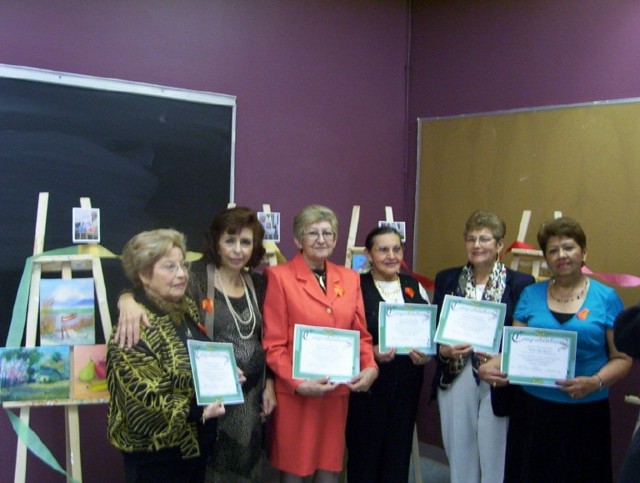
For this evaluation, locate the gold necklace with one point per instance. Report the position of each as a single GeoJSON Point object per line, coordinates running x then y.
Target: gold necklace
{"type": "Point", "coordinates": [386, 293]}
{"type": "Point", "coordinates": [577, 296]}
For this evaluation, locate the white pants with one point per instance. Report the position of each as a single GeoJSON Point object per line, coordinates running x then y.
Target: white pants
{"type": "Point", "coordinates": [475, 440]}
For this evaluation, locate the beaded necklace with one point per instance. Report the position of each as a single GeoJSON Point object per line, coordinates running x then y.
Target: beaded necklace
{"type": "Point", "coordinates": [237, 318]}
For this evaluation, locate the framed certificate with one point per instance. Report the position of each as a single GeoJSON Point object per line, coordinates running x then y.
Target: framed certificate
{"type": "Point", "coordinates": [215, 373]}
{"type": "Point", "coordinates": [322, 351]}
{"type": "Point", "coordinates": [538, 357]}
{"type": "Point", "coordinates": [406, 327]}
{"type": "Point", "coordinates": [475, 322]}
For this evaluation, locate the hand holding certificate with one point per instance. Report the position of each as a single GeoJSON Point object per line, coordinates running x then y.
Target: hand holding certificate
{"type": "Point", "coordinates": [325, 352]}
{"type": "Point", "coordinates": [215, 374]}
{"type": "Point", "coordinates": [477, 322]}
{"type": "Point", "coordinates": [538, 357]}
{"type": "Point", "coordinates": [407, 326]}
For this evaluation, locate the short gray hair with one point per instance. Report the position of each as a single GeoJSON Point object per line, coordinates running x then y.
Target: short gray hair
{"type": "Point", "coordinates": [312, 214]}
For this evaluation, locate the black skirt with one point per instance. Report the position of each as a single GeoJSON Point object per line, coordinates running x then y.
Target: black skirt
{"type": "Point", "coordinates": [556, 442]}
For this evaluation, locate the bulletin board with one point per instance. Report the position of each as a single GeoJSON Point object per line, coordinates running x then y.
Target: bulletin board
{"type": "Point", "coordinates": [147, 156]}
{"type": "Point", "coordinates": [582, 160]}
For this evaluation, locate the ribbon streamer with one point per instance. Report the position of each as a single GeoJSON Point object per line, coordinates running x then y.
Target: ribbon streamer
{"type": "Point", "coordinates": [35, 444]}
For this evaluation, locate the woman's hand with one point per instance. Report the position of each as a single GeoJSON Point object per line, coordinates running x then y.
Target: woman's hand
{"type": "Point", "coordinates": [241, 377]}
{"type": "Point", "coordinates": [212, 411]}
{"type": "Point", "coordinates": [362, 382]}
{"type": "Point", "coordinates": [455, 351]}
{"type": "Point", "coordinates": [579, 387]}
{"type": "Point", "coordinates": [418, 358]}
{"type": "Point", "coordinates": [315, 387]}
{"type": "Point", "coordinates": [269, 402]}
{"type": "Point", "coordinates": [131, 316]}
{"type": "Point", "coordinates": [382, 357]}
{"type": "Point", "coordinates": [489, 370]}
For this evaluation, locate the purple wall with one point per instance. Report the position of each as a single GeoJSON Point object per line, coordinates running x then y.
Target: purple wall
{"type": "Point", "coordinates": [321, 101]}
{"type": "Point", "coordinates": [321, 113]}
{"type": "Point", "coordinates": [470, 57]}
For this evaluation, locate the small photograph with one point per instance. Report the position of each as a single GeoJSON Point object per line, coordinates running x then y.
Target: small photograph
{"type": "Point", "coordinates": [400, 226]}
{"type": "Point", "coordinates": [86, 225]}
{"type": "Point", "coordinates": [89, 372]}
{"type": "Point", "coordinates": [34, 373]}
{"type": "Point", "coordinates": [360, 263]}
{"type": "Point", "coordinates": [67, 311]}
{"type": "Point", "coordinates": [271, 224]}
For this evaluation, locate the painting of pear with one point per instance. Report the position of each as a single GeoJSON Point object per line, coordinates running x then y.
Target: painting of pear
{"type": "Point", "coordinates": [88, 371]}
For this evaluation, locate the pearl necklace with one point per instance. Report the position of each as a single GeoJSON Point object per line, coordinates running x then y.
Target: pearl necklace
{"type": "Point", "coordinates": [577, 296]}
{"type": "Point", "coordinates": [388, 294]}
{"type": "Point", "coordinates": [237, 318]}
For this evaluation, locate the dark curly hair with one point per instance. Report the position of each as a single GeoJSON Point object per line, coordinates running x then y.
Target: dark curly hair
{"type": "Point", "coordinates": [232, 221]}
{"type": "Point", "coordinates": [563, 226]}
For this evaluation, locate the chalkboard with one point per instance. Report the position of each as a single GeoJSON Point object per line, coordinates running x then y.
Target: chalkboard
{"type": "Point", "coordinates": [147, 156]}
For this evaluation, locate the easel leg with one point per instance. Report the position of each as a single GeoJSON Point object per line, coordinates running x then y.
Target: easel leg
{"type": "Point", "coordinates": [72, 430]}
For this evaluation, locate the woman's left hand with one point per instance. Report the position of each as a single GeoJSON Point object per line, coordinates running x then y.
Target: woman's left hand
{"type": "Point", "coordinates": [418, 358]}
{"type": "Point", "coordinates": [241, 377]}
{"type": "Point", "coordinates": [269, 402]}
{"type": "Point", "coordinates": [363, 381]}
{"type": "Point", "coordinates": [579, 387]}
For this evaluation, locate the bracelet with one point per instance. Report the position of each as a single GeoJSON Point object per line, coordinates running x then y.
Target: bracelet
{"type": "Point", "coordinates": [600, 381]}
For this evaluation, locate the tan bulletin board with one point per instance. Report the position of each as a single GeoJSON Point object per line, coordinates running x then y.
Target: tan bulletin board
{"type": "Point", "coordinates": [582, 160]}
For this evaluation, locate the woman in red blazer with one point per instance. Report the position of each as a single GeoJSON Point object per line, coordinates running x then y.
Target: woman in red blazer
{"type": "Point", "coordinates": [309, 421]}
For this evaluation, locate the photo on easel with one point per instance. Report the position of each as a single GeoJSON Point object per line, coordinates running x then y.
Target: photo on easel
{"type": "Point", "coordinates": [86, 225]}
{"type": "Point", "coordinates": [399, 226]}
{"type": "Point", "coordinates": [89, 372]}
{"type": "Point", "coordinates": [34, 373]}
{"type": "Point", "coordinates": [271, 224]}
{"type": "Point", "coordinates": [67, 311]}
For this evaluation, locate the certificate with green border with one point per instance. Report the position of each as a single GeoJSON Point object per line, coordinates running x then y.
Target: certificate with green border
{"type": "Point", "coordinates": [468, 321]}
{"type": "Point", "coordinates": [538, 357]}
{"type": "Point", "coordinates": [324, 351]}
{"type": "Point", "coordinates": [407, 326]}
{"type": "Point", "coordinates": [215, 373]}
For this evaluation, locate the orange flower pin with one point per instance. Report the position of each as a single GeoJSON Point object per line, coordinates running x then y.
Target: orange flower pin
{"type": "Point", "coordinates": [409, 291]}
{"type": "Point", "coordinates": [583, 314]}
{"type": "Point", "coordinates": [338, 289]}
{"type": "Point", "coordinates": [207, 305]}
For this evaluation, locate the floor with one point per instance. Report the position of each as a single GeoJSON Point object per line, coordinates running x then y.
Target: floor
{"type": "Point", "coordinates": [433, 466]}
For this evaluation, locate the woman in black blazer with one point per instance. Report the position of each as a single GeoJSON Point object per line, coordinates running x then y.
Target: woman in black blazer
{"type": "Point", "coordinates": [474, 429]}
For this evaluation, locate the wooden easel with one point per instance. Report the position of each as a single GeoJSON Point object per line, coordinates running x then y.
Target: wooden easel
{"type": "Point", "coordinates": [66, 265]}
{"type": "Point", "coordinates": [351, 251]}
{"type": "Point", "coordinates": [526, 257]}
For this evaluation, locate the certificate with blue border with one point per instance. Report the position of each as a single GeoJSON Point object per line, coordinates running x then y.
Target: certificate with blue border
{"type": "Point", "coordinates": [538, 357]}
{"type": "Point", "coordinates": [323, 351]}
{"type": "Point", "coordinates": [468, 321]}
{"type": "Point", "coordinates": [215, 373]}
{"type": "Point", "coordinates": [407, 326]}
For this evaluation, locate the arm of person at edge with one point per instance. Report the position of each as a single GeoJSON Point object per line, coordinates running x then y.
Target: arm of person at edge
{"type": "Point", "coordinates": [131, 316]}
{"type": "Point", "coordinates": [276, 340]}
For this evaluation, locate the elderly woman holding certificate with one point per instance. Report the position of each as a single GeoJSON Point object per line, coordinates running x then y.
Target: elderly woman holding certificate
{"type": "Point", "coordinates": [474, 437]}
{"type": "Point", "coordinates": [381, 421]}
{"type": "Point", "coordinates": [309, 421]}
{"type": "Point", "coordinates": [153, 417]}
{"type": "Point", "coordinates": [562, 433]}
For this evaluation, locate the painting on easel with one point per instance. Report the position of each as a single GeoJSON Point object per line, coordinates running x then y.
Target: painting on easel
{"type": "Point", "coordinates": [34, 373]}
{"type": "Point", "coordinates": [90, 372]}
{"type": "Point", "coordinates": [86, 225]}
{"type": "Point", "coordinates": [67, 311]}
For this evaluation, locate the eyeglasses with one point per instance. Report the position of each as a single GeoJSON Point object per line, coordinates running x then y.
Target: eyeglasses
{"type": "Point", "coordinates": [313, 236]}
{"type": "Point", "coordinates": [172, 267]}
{"type": "Point", "coordinates": [397, 250]}
{"type": "Point", "coordinates": [482, 240]}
